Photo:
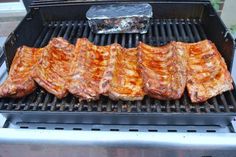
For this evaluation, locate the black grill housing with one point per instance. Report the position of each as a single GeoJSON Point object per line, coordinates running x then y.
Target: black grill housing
{"type": "Point", "coordinates": [179, 21]}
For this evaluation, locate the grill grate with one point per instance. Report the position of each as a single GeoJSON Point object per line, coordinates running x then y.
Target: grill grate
{"type": "Point", "coordinates": [160, 32]}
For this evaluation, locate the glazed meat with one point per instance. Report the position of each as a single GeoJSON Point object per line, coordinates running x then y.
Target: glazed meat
{"type": "Point", "coordinates": [91, 69]}
{"type": "Point", "coordinates": [207, 72]}
{"type": "Point", "coordinates": [163, 70]}
{"type": "Point", "coordinates": [126, 83]}
{"type": "Point", "coordinates": [19, 82]}
{"type": "Point", "coordinates": [88, 71]}
{"type": "Point", "coordinates": [52, 71]}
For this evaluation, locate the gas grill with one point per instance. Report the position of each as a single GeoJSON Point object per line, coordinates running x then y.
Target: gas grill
{"type": "Point", "coordinates": [118, 128]}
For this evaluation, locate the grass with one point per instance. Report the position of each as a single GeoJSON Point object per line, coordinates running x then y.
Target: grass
{"type": "Point", "coordinates": [216, 4]}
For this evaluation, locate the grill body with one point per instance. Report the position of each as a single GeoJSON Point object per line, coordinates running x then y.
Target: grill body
{"type": "Point", "coordinates": [191, 22]}
{"type": "Point", "coordinates": [117, 128]}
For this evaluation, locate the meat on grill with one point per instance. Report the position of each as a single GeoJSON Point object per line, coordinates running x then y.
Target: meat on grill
{"type": "Point", "coordinates": [52, 71]}
{"type": "Point", "coordinates": [19, 82]}
{"type": "Point", "coordinates": [207, 72]}
{"type": "Point", "coordinates": [164, 70]}
{"type": "Point", "coordinates": [126, 83]}
{"type": "Point", "coordinates": [87, 71]}
{"type": "Point", "coordinates": [91, 69]}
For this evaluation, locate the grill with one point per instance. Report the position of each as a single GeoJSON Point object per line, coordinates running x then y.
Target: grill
{"type": "Point", "coordinates": [40, 124]}
{"type": "Point", "coordinates": [218, 110]}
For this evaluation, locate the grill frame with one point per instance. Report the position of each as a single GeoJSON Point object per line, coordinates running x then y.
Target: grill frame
{"type": "Point", "coordinates": [29, 112]}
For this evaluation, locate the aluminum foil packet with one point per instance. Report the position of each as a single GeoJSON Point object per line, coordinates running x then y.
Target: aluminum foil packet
{"type": "Point", "coordinates": [119, 18]}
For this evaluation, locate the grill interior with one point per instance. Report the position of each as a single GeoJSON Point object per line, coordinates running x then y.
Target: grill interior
{"type": "Point", "coordinates": [160, 32]}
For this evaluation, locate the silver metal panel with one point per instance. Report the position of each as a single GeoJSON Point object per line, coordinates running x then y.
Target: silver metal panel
{"type": "Point", "coordinates": [92, 140]}
{"type": "Point", "coordinates": [75, 151]}
{"type": "Point", "coordinates": [32, 142]}
{"type": "Point", "coordinates": [123, 128]}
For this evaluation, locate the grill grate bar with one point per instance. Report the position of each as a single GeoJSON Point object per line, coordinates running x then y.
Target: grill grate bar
{"type": "Point", "coordinates": [130, 41]}
{"type": "Point", "coordinates": [222, 100]}
{"type": "Point", "coordinates": [20, 104]}
{"type": "Point", "coordinates": [73, 31]}
{"type": "Point", "coordinates": [90, 36]}
{"type": "Point", "coordinates": [96, 39]}
{"type": "Point", "coordinates": [136, 39]}
{"type": "Point", "coordinates": [123, 40]}
{"type": "Point", "coordinates": [68, 30]}
{"type": "Point", "coordinates": [62, 29]}
{"type": "Point", "coordinates": [116, 38]}
{"type": "Point", "coordinates": [71, 104]}
{"type": "Point", "coordinates": [49, 31]}
{"type": "Point", "coordinates": [41, 36]}
{"type": "Point", "coordinates": [182, 32]}
{"type": "Point", "coordinates": [215, 103]}
{"type": "Point", "coordinates": [232, 99]}
{"type": "Point", "coordinates": [109, 39]}
{"type": "Point", "coordinates": [176, 32]}
{"type": "Point", "coordinates": [195, 32]}
{"type": "Point", "coordinates": [57, 29]}
{"type": "Point", "coordinates": [10, 104]}
{"type": "Point", "coordinates": [37, 101]}
{"type": "Point", "coordinates": [189, 33]}
{"type": "Point", "coordinates": [102, 40]}
{"type": "Point", "coordinates": [201, 31]}
{"type": "Point", "coordinates": [53, 104]}
{"type": "Point", "coordinates": [45, 102]}
{"type": "Point", "coordinates": [80, 31]}
{"type": "Point", "coordinates": [161, 31]}
{"type": "Point", "coordinates": [150, 36]}
{"type": "Point", "coordinates": [85, 33]}
{"type": "Point", "coordinates": [156, 33]}
{"type": "Point", "coordinates": [169, 32]}
{"type": "Point", "coordinates": [30, 102]}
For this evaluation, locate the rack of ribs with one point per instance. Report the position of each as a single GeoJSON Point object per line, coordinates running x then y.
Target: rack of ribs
{"type": "Point", "coordinates": [126, 83]}
{"type": "Point", "coordinates": [52, 71]}
{"type": "Point", "coordinates": [164, 70]}
{"type": "Point", "coordinates": [207, 72]}
{"type": "Point", "coordinates": [88, 71]}
{"type": "Point", "coordinates": [91, 69]}
{"type": "Point", "coordinates": [19, 82]}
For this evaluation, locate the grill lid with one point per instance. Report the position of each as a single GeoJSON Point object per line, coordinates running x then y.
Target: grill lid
{"type": "Point", "coordinates": [46, 3]}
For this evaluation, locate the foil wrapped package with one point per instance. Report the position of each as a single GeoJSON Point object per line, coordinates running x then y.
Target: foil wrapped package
{"type": "Point", "coordinates": [119, 18]}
